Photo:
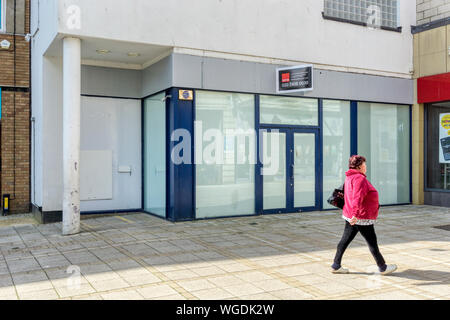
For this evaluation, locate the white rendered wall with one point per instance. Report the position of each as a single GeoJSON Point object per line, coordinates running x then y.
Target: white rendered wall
{"type": "Point", "coordinates": [46, 94]}
{"type": "Point", "coordinates": [52, 135]}
{"type": "Point", "coordinates": [289, 30]}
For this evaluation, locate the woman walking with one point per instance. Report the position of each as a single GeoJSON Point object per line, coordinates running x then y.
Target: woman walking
{"type": "Point", "coordinates": [360, 212]}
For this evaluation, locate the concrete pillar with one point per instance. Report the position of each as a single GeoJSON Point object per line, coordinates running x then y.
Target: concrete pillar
{"type": "Point", "coordinates": [71, 134]}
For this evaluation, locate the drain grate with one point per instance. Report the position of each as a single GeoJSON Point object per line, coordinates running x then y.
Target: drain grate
{"type": "Point", "coordinates": [446, 228]}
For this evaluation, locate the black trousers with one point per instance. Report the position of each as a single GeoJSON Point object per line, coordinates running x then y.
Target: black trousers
{"type": "Point", "coordinates": [350, 232]}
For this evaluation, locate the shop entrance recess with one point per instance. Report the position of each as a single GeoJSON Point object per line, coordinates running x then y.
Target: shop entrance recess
{"type": "Point", "coordinates": [289, 170]}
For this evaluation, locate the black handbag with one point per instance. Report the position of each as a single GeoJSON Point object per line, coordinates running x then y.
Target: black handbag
{"type": "Point", "coordinates": [337, 198]}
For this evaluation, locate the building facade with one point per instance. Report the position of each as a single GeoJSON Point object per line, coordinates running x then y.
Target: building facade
{"type": "Point", "coordinates": [175, 110]}
{"type": "Point", "coordinates": [15, 105]}
{"type": "Point", "coordinates": [431, 108]}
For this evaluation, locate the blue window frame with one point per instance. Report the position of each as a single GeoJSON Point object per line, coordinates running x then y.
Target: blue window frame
{"type": "Point", "coordinates": [291, 170]}
{"type": "Point", "coordinates": [313, 111]}
{"type": "Point", "coordinates": [181, 179]}
{"type": "Point", "coordinates": [225, 174]}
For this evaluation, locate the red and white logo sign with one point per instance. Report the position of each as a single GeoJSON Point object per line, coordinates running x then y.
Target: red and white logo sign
{"type": "Point", "coordinates": [285, 77]}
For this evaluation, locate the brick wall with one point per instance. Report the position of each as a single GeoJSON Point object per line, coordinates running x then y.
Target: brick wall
{"type": "Point", "coordinates": [22, 63]}
{"type": "Point", "coordinates": [432, 10]}
{"type": "Point", "coordinates": [15, 121]}
{"type": "Point", "coordinates": [16, 182]}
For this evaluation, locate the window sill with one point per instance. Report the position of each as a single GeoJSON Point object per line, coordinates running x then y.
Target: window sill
{"type": "Point", "coordinates": [362, 24]}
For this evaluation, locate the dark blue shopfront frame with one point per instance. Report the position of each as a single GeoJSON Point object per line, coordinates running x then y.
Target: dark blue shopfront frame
{"type": "Point", "coordinates": [289, 130]}
{"type": "Point", "coordinates": [290, 182]}
{"type": "Point", "coordinates": [180, 179]}
{"type": "Point", "coordinates": [182, 176]}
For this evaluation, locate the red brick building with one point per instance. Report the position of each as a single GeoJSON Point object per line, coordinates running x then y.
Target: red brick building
{"type": "Point", "coordinates": [15, 104]}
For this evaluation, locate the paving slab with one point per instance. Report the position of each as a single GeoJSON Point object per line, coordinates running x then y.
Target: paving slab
{"type": "Point", "coordinates": [137, 256]}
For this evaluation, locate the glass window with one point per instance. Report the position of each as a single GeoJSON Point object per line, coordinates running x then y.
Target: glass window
{"type": "Point", "coordinates": [274, 185]}
{"type": "Point", "coordinates": [289, 111]}
{"type": "Point", "coordinates": [2, 15]}
{"type": "Point", "coordinates": [381, 12]}
{"type": "Point", "coordinates": [155, 155]}
{"type": "Point", "coordinates": [304, 170]}
{"type": "Point", "coordinates": [336, 145]}
{"type": "Point", "coordinates": [438, 146]}
{"type": "Point", "coordinates": [384, 139]}
{"type": "Point", "coordinates": [225, 141]}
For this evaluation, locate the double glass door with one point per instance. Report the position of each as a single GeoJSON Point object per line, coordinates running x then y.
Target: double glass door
{"type": "Point", "coordinates": [290, 178]}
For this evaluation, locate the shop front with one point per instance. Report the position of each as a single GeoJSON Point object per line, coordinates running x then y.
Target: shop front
{"type": "Point", "coordinates": [434, 93]}
{"type": "Point", "coordinates": [194, 137]}
{"type": "Point", "coordinates": [212, 153]}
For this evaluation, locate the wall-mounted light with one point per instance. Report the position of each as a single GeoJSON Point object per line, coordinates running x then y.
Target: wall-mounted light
{"type": "Point", "coordinates": [103, 51]}
{"type": "Point", "coordinates": [134, 54]}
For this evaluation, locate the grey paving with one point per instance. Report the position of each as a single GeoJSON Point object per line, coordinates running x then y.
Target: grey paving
{"type": "Point", "coordinates": [137, 256]}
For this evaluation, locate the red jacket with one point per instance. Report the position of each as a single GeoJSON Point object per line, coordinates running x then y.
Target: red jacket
{"type": "Point", "coordinates": [361, 198]}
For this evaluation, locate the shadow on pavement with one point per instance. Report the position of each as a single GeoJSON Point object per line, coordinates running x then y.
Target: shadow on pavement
{"type": "Point", "coordinates": [432, 277]}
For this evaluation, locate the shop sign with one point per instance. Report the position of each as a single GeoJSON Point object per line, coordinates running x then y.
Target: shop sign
{"type": "Point", "coordinates": [444, 138]}
{"type": "Point", "coordinates": [186, 95]}
{"type": "Point", "coordinates": [295, 79]}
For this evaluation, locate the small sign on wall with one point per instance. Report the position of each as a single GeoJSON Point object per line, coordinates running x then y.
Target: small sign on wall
{"type": "Point", "coordinates": [295, 79]}
{"type": "Point", "coordinates": [186, 95]}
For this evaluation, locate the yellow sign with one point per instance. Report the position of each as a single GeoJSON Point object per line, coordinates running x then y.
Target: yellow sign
{"type": "Point", "coordinates": [445, 122]}
{"type": "Point", "coordinates": [186, 95]}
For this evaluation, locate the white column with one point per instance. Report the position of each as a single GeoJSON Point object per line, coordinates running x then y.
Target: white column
{"type": "Point", "coordinates": [71, 135]}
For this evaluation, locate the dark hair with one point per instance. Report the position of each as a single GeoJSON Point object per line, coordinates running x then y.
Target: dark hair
{"type": "Point", "coordinates": [356, 162]}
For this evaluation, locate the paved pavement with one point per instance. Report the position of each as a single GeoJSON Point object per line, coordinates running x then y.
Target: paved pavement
{"type": "Point", "coordinates": [17, 220]}
{"type": "Point", "coordinates": [138, 256]}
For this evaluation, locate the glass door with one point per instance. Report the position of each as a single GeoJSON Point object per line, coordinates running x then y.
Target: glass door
{"type": "Point", "coordinates": [154, 155]}
{"type": "Point", "coordinates": [289, 170]}
{"type": "Point", "coordinates": [274, 171]}
{"type": "Point", "coordinates": [304, 169]}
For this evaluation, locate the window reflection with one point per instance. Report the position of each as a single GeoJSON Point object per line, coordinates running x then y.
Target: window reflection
{"type": "Point", "coordinates": [224, 188]}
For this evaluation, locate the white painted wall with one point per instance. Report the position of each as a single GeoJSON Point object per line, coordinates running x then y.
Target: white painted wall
{"type": "Point", "coordinates": [52, 135]}
{"type": "Point", "coordinates": [279, 29]}
{"type": "Point", "coordinates": [46, 95]}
